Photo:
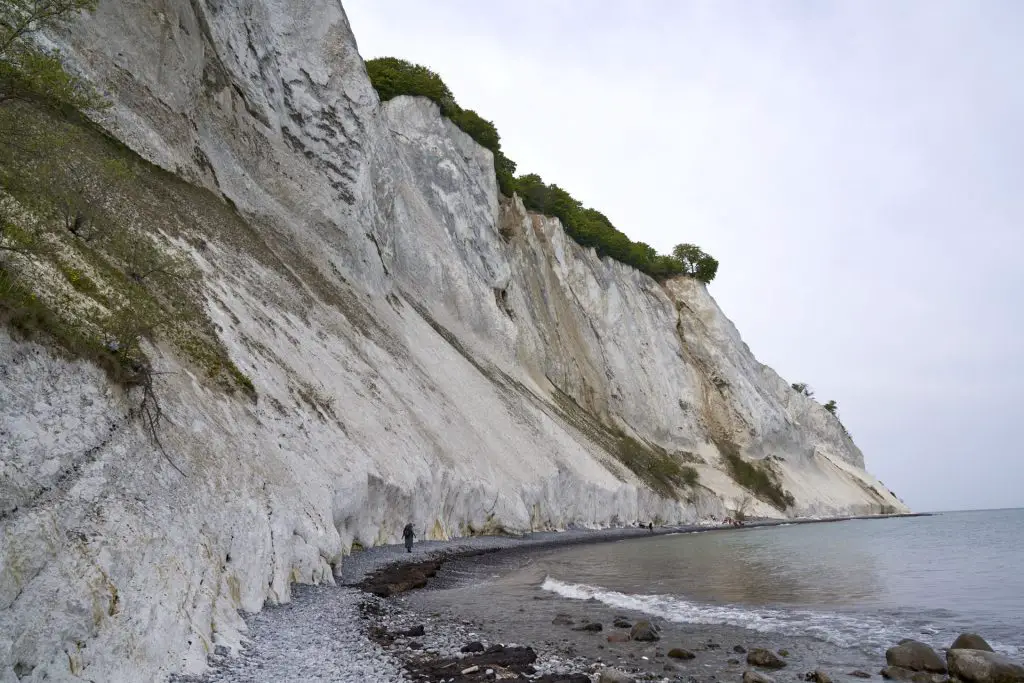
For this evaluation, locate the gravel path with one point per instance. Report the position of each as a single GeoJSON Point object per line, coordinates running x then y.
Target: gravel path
{"type": "Point", "coordinates": [317, 637]}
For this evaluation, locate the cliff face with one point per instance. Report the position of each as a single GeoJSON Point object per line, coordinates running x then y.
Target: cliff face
{"type": "Point", "coordinates": [420, 350]}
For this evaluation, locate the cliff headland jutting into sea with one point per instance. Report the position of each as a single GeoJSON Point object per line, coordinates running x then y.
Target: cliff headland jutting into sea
{"type": "Point", "coordinates": [254, 317]}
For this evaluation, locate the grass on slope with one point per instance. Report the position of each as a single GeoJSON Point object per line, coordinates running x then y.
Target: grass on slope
{"type": "Point", "coordinates": [660, 470]}
{"type": "Point", "coordinates": [757, 477]}
{"type": "Point", "coordinates": [93, 249]}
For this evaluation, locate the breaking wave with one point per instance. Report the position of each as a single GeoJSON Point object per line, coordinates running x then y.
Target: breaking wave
{"type": "Point", "coordinates": [870, 633]}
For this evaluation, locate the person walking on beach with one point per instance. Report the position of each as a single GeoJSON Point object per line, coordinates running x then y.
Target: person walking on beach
{"type": "Point", "coordinates": [407, 534]}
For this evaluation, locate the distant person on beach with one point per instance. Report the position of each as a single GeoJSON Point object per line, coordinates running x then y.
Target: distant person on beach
{"type": "Point", "coordinates": [650, 526]}
{"type": "Point", "coordinates": [407, 534]}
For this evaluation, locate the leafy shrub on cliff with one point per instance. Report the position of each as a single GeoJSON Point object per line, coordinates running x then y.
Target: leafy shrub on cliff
{"type": "Point", "coordinates": [392, 77]}
{"type": "Point", "coordinates": [29, 73]}
{"type": "Point", "coordinates": [591, 228]}
{"type": "Point", "coordinates": [803, 388]}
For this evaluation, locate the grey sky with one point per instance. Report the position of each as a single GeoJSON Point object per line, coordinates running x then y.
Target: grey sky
{"type": "Point", "coordinates": [856, 167]}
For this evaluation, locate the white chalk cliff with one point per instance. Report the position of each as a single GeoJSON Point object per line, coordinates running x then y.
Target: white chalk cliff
{"type": "Point", "coordinates": [471, 367]}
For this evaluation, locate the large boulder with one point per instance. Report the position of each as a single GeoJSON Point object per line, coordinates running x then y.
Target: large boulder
{"type": "Point", "coordinates": [764, 658]}
{"type": "Point", "coordinates": [916, 656]}
{"type": "Point", "coordinates": [644, 631]}
{"type": "Point", "coordinates": [970, 641]}
{"type": "Point", "coordinates": [981, 666]}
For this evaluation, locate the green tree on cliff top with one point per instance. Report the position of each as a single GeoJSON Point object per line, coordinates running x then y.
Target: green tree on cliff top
{"type": "Point", "coordinates": [696, 262]}
{"type": "Point", "coordinates": [392, 77]}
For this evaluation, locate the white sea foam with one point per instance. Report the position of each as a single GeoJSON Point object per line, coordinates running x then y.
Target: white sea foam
{"type": "Point", "coordinates": [868, 632]}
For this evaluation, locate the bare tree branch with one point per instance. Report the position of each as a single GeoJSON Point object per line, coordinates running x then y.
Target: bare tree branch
{"type": "Point", "coordinates": [151, 412]}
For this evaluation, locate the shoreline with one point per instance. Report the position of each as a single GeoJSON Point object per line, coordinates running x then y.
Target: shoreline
{"type": "Point", "coordinates": [358, 566]}
{"type": "Point", "coordinates": [569, 651]}
{"type": "Point", "coordinates": [346, 632]}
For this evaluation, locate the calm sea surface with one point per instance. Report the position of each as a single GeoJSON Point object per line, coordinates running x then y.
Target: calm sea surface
{"type": "Point", "coordinates": [860, 583]}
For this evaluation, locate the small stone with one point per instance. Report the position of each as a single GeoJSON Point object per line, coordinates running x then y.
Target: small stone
{"type": "Point", "coordinates": [415, 631]}
{"type": "Point", "coordinates": [751, 676]}
{"type": "Point", "coordinates": [783, 652]}
{"type": "Point", "coordinates": [970, 641]}
{"type": "Point", "coordinates": [562, 620]}
{"type": "Point", "coordinates": [610, 675]}
{"type": "Point", "coordinates": [764, 658]}
{"type": "Point", "coordinates": [413, 645]}
{"type": "Point", "coordinates": [221, 651]}
{"type": "Point", "coordinates": [680, 653]}
{"type": "Point", "coordinates": [644, 631]}
{"type": "Point", "coordinates": [859, 674]}
{"type": "Point", "coordinates": [592, 627]}
{"type": "Point", "coordinates": [470, 670]}
{"type": "Point", "coordinates": [739, 649]}
{"type": "Point", "coordinates": [475, 646]}
{"type": "Point", "coordinates": [712, 645]}
{"type": "Point", "coordinates": [817, 676]}
{"type": "Point", "coordinates": [621, 622]}
{"type": "Point", "coordinates": [732, 661]}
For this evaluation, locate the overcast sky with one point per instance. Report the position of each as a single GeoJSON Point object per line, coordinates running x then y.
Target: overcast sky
{"type": "Point", "coordinates": [857, 168]}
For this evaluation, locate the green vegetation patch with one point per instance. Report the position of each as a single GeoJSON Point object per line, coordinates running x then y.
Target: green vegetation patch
{"type": "Point", "coordinates": [656, 467]}
{"type": "Point", "coordinates": [33, 316]}
{"type": "Point", "coordinates": [757, 477]}
{"type": "Point", "coordinates": [87, 250]}
{"type": "Point", "coordinates": [392, 77]}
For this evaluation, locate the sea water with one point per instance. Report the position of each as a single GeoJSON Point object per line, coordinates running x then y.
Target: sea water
{"type": "Point", "coordinates": [861, 584]}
